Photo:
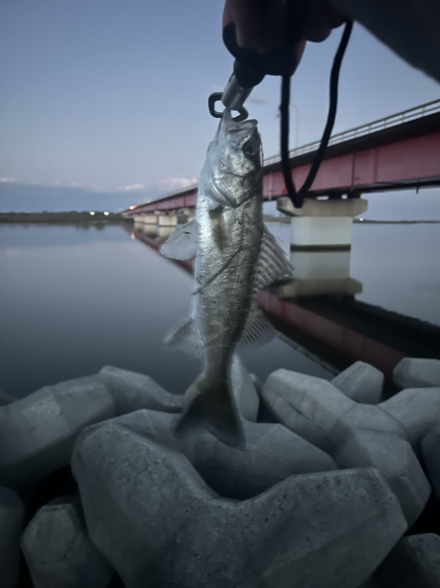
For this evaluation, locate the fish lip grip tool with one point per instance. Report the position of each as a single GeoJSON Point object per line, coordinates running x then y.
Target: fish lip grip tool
{"type": "Point", "coordinates": [250, 68]}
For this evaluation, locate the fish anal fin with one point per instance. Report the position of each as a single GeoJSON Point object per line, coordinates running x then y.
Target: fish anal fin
{"type": "Point", "coordinates": [185, 337]}
{"type": "Point", "coordinates": [257, 329]}
{"type": "Point", "coordinates": [182, 243]}
{"type": "Point", "coordinates": [272, 264]}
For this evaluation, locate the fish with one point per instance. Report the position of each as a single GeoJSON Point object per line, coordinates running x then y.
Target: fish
{"type": "Point", "coordinates": [235, 256]}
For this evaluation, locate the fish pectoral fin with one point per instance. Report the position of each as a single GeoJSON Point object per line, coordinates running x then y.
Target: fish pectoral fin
{"type": "Point", "coordinates": [257, 329]}
{"type": "Point", "coordinates": [185, 336]}
{"type": "Point", "coordinates": [272, 264]}
{"type": "Point", "coordinates": [213, 410]}
{"type": "Point", "coordinates": [182, 243]}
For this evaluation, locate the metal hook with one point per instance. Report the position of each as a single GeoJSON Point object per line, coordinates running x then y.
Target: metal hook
{"type": "Point", "coordinates": [216, 97]}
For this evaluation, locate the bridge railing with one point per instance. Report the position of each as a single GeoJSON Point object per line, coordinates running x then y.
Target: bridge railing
{"type": "Point", "coordinates": [377, 125]}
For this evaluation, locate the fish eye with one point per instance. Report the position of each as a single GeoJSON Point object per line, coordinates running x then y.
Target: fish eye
{"type": "Point", "coordinates": [251, 148]}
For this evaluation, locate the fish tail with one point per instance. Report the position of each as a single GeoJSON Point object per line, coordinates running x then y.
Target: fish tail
{"type": "Point", "coordinates": [214, 410]}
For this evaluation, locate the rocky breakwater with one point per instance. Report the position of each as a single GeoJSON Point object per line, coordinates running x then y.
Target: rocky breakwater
{"type": "Point", "coordinates": [329, 494]}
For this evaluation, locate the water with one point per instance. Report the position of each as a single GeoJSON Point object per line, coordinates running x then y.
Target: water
{"type": "Point", "coordinates": [397, 265]}
{"type": "Point", "coordinates": [76, 298]}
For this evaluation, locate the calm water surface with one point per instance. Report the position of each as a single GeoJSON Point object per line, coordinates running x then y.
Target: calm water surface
{"type": "Point", "coordinates": [73, 299]}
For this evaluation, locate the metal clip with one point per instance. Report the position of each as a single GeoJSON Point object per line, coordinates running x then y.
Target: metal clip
{"type": "Point", "coordinates": [217, 97]}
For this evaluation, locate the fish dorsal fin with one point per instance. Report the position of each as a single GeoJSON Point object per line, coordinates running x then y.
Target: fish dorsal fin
{"type": "Point", "coordinates": [272, 264]}
{"type": "Point", "coordinates": [257, 328]}
{"type": "Point", "coordinates": [185, 336]}
{"type": "Point", "coordinates": [182, 243]}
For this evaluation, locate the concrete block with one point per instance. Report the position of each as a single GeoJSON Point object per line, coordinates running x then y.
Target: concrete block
{"type": "Point", "coordinates": [307, 405]}
{"type": "Point", "coordinates": [417, 409]}
{"type": "Point", "coordinates": [320, 231]}
{"type": "Point", "coordinates": [413, 563]}
{"type": "Point", "coordinates": [11, 523]}
{"type": "Point", "coordinates": [244, 391]}
{"type": "Point", "coordinates": [158, 523]}
{"type": "Point", "coordinates": [413, 372]}
{"type": "Point", "coordinates": [58, 551]}
{"type": "Point", "coordinates": [394, 459]}
{"type": "Point", "coordinates": [373, 418]}
{"type": "Point", "coordinates": [273, 453]}
{"type": "Point", "coordinates": [330, 208]}
{"type": "Point", "coordinates": [431, 456]}
{"type": "Point", "coordinates": [6, 398]}
{"type": "Point", "coordinates": [37, 432]}
{"type": "Point", "coordinates": [132, 391]}
{"type": "Point", "coordinates": [361, 382]}
{"type": "Point", "coordinates": [355, 435]}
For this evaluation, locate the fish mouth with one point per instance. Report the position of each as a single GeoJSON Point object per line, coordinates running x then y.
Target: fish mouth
{"type": "Point", "coordinates": [230, 125]}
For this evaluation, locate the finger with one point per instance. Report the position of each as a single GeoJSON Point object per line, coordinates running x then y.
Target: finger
{"type": "Point", "coordinates": [259, 23]}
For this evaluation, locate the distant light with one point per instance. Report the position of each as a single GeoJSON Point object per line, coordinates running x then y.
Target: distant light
{"type": "Point", "coordinates": [92, 213]}
{"type": "Point", "coordinates": [361, 219]}
{"type": "Point", "coordinates": [106, 213]}
{"type": "Point", "coordinates": [132, 236]}
{"type": "Point", "coordinates": [132, 207]}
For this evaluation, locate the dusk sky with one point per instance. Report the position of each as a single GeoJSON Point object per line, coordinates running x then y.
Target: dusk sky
{"type": "Point", "coordinates": [112, 96]}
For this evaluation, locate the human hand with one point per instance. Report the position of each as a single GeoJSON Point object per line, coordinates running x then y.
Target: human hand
{"type": "Point", "coordinates": [264, 25]}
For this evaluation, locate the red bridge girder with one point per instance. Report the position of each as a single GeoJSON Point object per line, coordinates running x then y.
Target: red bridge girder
{"type": "Point", "coordinates": [404, 156]}
{"type": "Point", "coordinates": [402, 164]}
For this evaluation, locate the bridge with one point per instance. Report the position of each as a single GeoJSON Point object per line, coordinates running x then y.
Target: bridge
{"type": "Point", "coordinates": [398, 152]}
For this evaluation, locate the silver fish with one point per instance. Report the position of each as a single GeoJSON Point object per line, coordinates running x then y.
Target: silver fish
{"type": "Point", "coordinates": [235, 256]}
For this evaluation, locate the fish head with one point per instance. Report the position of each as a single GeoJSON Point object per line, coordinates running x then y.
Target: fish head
{"type": "Point", "coordinates": [232, 172]}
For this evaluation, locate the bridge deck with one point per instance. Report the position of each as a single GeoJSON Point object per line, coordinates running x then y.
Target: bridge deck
{"type": "Point", "coordinates": [397, 152]}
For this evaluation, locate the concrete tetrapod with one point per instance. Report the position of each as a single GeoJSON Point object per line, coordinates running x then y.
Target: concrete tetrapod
{"type": "Point", "coordinates": [431, 456]}
{"type": "Point", "coordinates": [417, 409]}
{"type": "Point", "coordinates": [11, 523]}
{"type": "Point", "coordinates": [132, 391]}
{"type": "Point", "coordinates": [37, 432]}
{"type": "Point", "coordinates": [245, 393]}
{"type": "Point", "coordinates": [273, 453]}
{"type": "Point", "coordinates": [355, 435]}
{"type": "Point", "coordinates": [361, 382]}
{"type": "Point", "coordinates": [413, 563]}
{"type": "Point", "coordinates": [58, 551]}
{"type": "Point", "coordinates": [159, 524]}
{"type": "Point", "coordinates": [414, 372]}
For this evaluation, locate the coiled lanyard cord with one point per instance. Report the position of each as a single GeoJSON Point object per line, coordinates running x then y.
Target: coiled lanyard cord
{"type": "Point", "coordinates": [297, 197]}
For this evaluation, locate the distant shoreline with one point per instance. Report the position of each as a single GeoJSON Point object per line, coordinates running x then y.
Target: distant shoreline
{"type": "Point", "coordinates": [364, 221]}
{"type": "Point", "coordinates": [111, 217]}
{"type": "Point", "coordinates": [61, 217]}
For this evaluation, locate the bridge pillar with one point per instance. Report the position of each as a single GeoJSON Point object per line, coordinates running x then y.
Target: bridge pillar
{"type": "Point", "coordinates": [321, 234]}
{"type": "Point", "coordinates": [145, 217]}
{"type": "Point", "coordinates": [167, 219]}
{"type": "Point", "coordinates": [322, 224]}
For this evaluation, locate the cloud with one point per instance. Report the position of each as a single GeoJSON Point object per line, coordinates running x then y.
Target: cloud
{"type": "Point", "coordinates": [131, 188]}
{"type": "Point", "coordinates": [7, 180]}
{"type": "Point", "coordinates": [176, 183]}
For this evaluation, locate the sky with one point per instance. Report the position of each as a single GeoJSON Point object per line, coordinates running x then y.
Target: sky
{"type": "Point", "coordinates": [107, 100]}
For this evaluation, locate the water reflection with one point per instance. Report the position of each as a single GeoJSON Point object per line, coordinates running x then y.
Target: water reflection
{"type": "Point", "coordinates": [74, 300]}
{"type": "Point", "coordinates": [320, 273]}
{"type": "Point", "coordinates": [319, 310]}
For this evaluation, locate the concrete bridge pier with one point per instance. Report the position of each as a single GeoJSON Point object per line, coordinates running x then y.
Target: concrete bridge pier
{"type": "Point", "coordinates": [167, 219]}
{"type": "Point", "coordinates": [320, 244]}
{"type": "Point", "coordinates": [145, 218]}
{"type": "Point", "coordinates": [322, 224]}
